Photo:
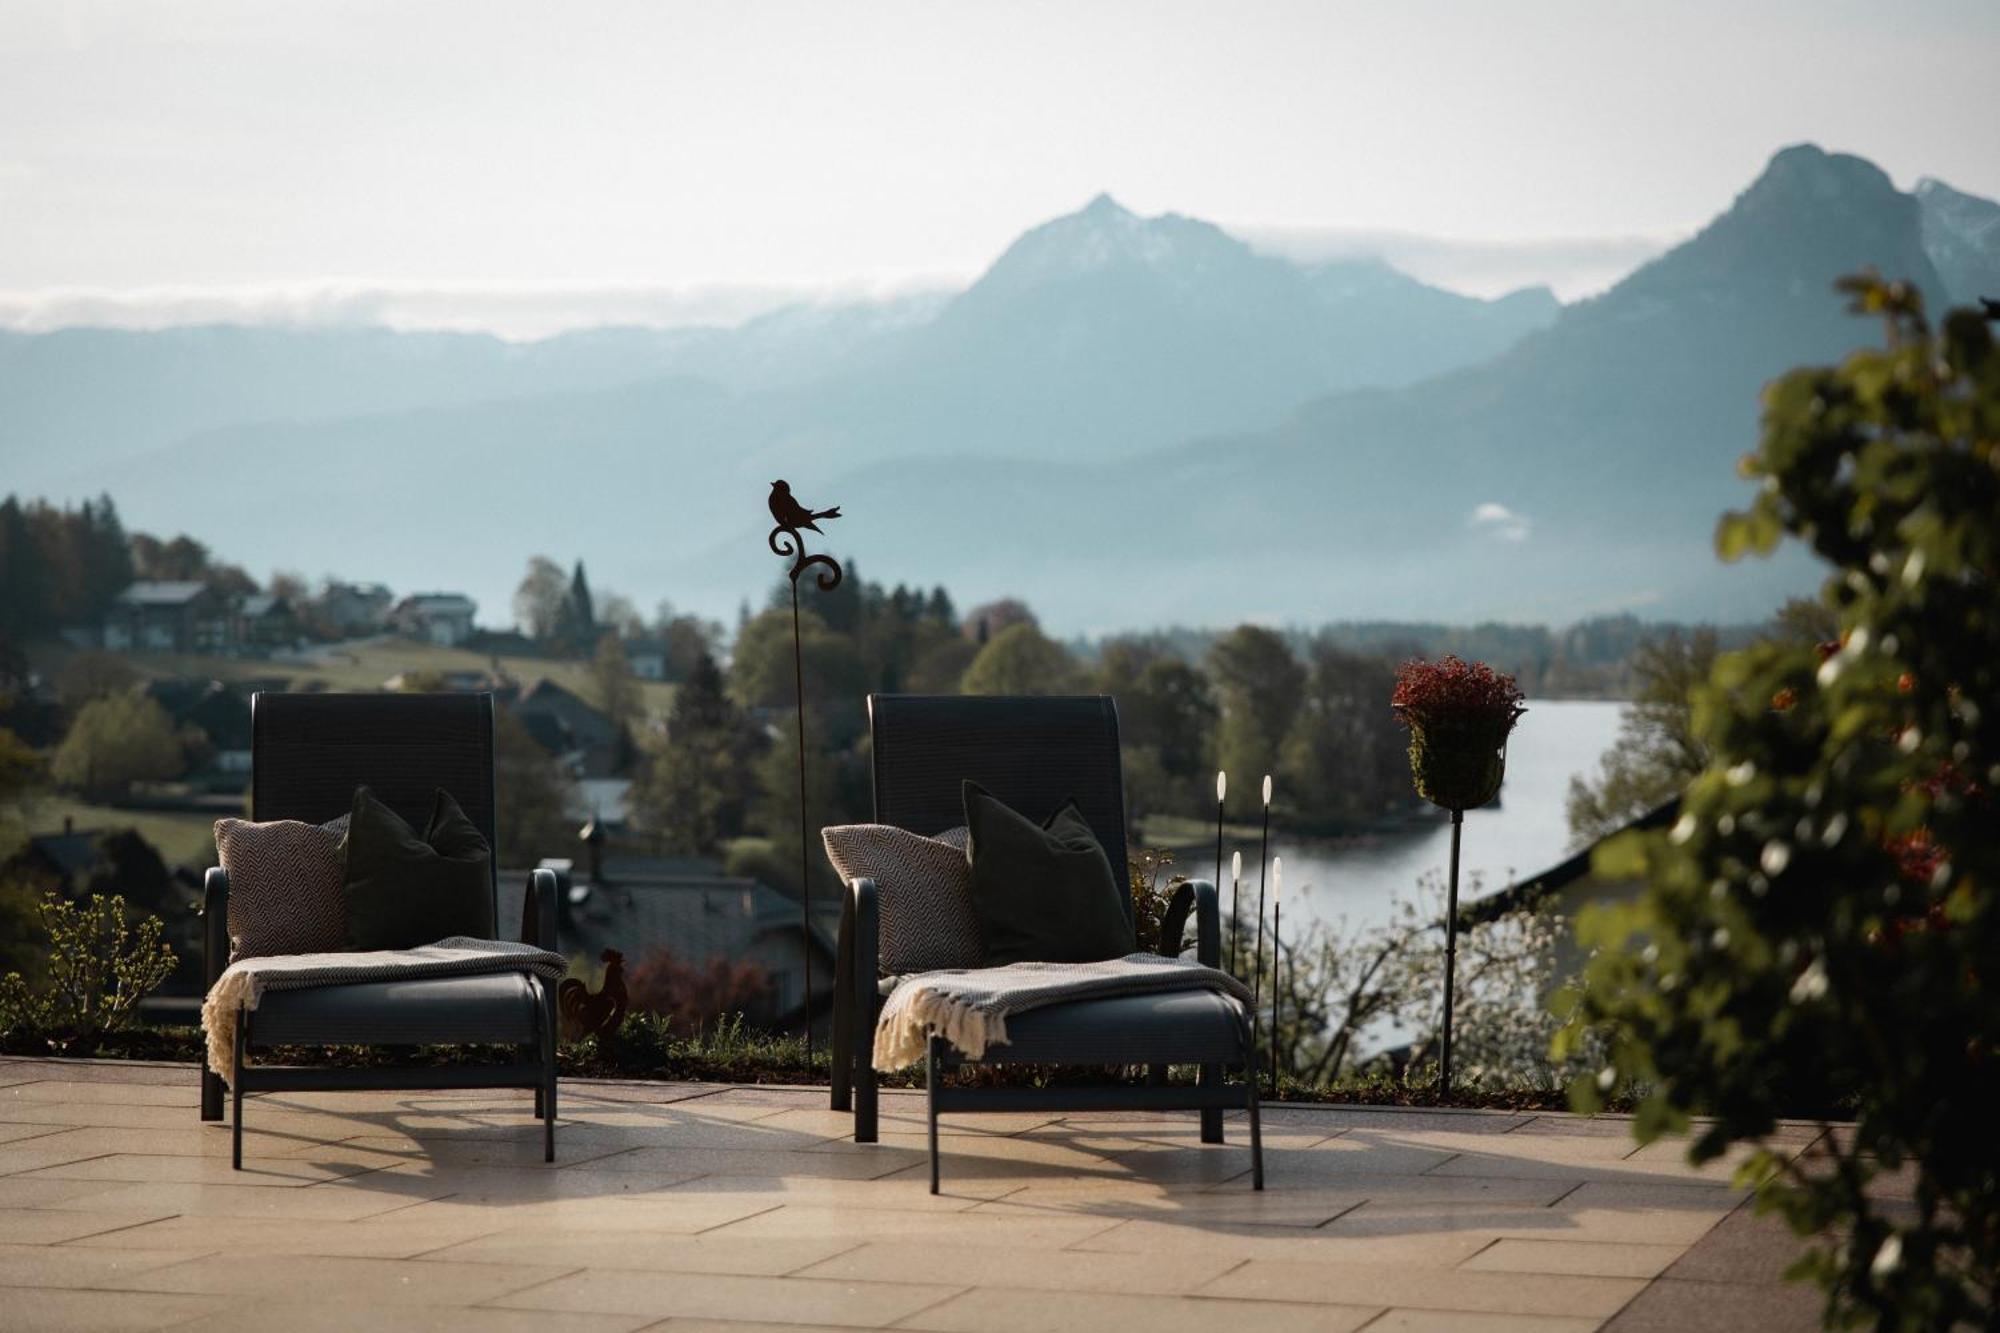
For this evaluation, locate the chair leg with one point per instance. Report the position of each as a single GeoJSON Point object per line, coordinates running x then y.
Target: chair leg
{"type": "Point", "coordinates": [236, 1092]}
{"type": "Point", "coordinates": [842, 1081]}
{"type": "Point", "coordinates": [1211, 1116]}
{"type": "Point", "coordinates": [211, 1092]}
{"type": "Point", "coordinates": [1256, 1128]}
{"type": "Point", "coordinates": [865, 1116]}
{"type": "Point", "coordinates": [545, 1096]}
{"type": "Point", "coordinates": [932, 1073]}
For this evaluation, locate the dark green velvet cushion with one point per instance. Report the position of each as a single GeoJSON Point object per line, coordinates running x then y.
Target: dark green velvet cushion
{"type": "Point", "coordinates": [1044, 893]}
{"type": "Point", "coordinates": [404, 888]}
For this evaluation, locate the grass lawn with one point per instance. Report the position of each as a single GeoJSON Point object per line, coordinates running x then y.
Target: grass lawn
{"type": "Point", "coordinates": [180, 839]}
{"type": "Point", "coordinates": [365, 664]}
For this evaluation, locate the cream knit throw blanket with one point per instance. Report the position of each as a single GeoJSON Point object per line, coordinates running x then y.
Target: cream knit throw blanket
{"type": "Point", "coordinates": [243, 985]}
{"type": "Point", "coordinates": [969, 1007]}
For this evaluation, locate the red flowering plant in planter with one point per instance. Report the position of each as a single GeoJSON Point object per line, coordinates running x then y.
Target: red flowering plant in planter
{"type": "Point", "coordinates": [1459, 715]}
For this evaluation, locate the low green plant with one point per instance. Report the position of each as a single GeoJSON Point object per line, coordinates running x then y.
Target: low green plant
{"type": "Point", "coordinates": [99, 967]}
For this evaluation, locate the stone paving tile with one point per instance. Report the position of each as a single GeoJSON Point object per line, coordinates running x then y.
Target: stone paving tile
{"type": "Point", "coordinates": [35, 1192]}
{"type": "Point", "coordinates": [15, 1133]}
{"type": "Point", "coordinates": [709, 1295]}
{"type": "Point", "coordinates": [1674, 1306]}
{"type": "Point", "coordinates": [264, 1317]}
{"type": "Point", "coordinates": [1302, 1244]}
{"type": "Point", "coordinates": [331, 1163]}
{"type": "Point", "coordinates": [1461, 1321]}
{"type": "Point", "coordinates": [751, 1162]}
{"type": "Point", "coordinates": [328, 1202]}
{"type": "Point", "coordinates": [1621, 1225]}
{"type": "Point", "coordinates": [1426, 1288]}
{"type": "Point", "coordinates": [53, 1226]}
{"type": "Point", "coordinates": [319, 1278]}
{"type": "Point", "coordinates": [817, 1119]}
{"type": "Point", "coordinates": [69, 1266]}
{"type": "Point", "coordinates": [1579, 1258]}
{"type": "Point", "coordinates": [373, 1238]}
{"type": "Point", "coordinates": [1002, 1310]}
{"type": "Point", "coordinates": [45, 1310]}
{"type": "Point", "coordinates": [903, 1191]}
{"type": "Point", "coordinates": [1119, 1200]}
{"type": "Point", "coordinates": [681, 1214]}
{"type": "Point", "coordinates": [185, 1096]}
{"type": "Point", "coordinates": [1436, 1189]}
{"type": "Point", "coordinates": [1019, 1230]}
{"type": "Point", "coordinates": [716, 1252]}
{"type": "Point", "coordinates": [418, 1180]}
{"type": "Point", "coordinates": [987, 1265]}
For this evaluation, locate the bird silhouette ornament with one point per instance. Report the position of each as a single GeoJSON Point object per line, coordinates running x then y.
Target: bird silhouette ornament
{"type": "Point", "coordinates": [793, 519]}
{"type": "Point", "coordinates": [585, 1014]}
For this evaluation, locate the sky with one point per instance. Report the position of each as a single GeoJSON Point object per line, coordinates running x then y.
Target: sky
{"type": "Point", "coordinates": [525, 167]}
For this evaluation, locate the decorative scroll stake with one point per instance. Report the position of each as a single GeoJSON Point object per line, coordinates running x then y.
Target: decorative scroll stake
{"type": "Point", "coordinates": [1235, 913]}
{"type": "Point", "coordinates": [793, 519]}
{"type": "Point", "coordinates": [1277, 913]}
{"type": "Point", "coordinates": [1257, 963]}
{"type": "Point", "coordinates": [1221, 790]}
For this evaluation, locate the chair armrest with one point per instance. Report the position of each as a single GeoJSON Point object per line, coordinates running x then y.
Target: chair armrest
{"type": "Point", "coordinates": [538, 909]}
{"type": "Point", "coordinates": [1199, 896]}
{"type": "Point", "coordinates": [214, 924]}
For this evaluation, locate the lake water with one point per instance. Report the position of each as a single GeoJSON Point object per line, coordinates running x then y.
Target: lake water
{"type": "Point", "coordinates": [1526, 832]}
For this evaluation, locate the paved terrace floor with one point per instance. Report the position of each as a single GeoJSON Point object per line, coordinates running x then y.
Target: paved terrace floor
{"type": "Point", "coordinates": [685, 1207]}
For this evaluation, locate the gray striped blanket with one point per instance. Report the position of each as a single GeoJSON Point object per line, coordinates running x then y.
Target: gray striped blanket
{"type": "Point", "coordinates": [969, 1007]}
{"type": "Point", "coordinates": [243, 985]}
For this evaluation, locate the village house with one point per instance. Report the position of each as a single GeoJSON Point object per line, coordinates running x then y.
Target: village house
{"type": "Point", "coordinates": [571, 729]}
{"type": "Point", "coordinates": [349, 610]}
{"type": "Point", "coordinates": [263, 623]}
{"type": "Point", "coordinates": [436, 617]}
{"type": "Point", "coordinates": [177, 617]}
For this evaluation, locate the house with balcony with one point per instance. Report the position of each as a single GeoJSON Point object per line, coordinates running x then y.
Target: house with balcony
{"type": "Point", "coordinates": [168, 617]}
{"type": "Point", "coordinates": [435, 617]}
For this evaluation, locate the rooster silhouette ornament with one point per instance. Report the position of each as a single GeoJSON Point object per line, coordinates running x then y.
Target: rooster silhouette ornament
{"type": "Point", "coordinates": [589, 1015]}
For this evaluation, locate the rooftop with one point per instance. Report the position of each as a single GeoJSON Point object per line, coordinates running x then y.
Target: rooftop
{"type": "Point", "coordinates": [681, 1206]}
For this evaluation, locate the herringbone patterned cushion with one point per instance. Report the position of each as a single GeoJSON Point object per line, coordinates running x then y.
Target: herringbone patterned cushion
{"type": "Point", "coordinates": [924, 891]}
{"type": "Point", "coordinates": [284, 886]}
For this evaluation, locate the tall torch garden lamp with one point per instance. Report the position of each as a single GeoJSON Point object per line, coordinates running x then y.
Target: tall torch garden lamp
{"type": "Point", "coordinates": [1459, 716]}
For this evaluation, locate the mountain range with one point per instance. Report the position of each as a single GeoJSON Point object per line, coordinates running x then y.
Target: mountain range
{"type": "Point", "coordinates": [1124, 420]}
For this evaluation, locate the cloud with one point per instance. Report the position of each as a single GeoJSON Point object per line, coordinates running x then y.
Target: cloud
{"type": "Point", "coordinates": [518, 311]}
{"type": "Point", "coordinates": [1499, 521]}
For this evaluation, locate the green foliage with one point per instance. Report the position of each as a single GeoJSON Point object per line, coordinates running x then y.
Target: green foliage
{"type": "Point", "coordinates": [1021, 660]}
{"type": "Point", "coordinates": [535, 795]}
{"type": "Point", "coordinates": [1257, 684]}
{"type": "Point", "coordinates": [1819, 929]}
{"type": "Point", "coordinates": [99, 967]}
{"type": "Point", "coordinates": [1342, 763]}
{"type": "Point", "coordinates": [1656, 752]}
{"type": "Point", "coordinates": [116, 742]}
{"type": "Point", "coordinates": [695, 786]}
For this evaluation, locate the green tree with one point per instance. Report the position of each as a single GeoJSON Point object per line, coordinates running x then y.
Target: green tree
{"type": "Point", "coordinates": [760, 671]}
{"type": "Point", "coordinates": [697, 780]}
{"type": "Point", "coordinates": [617, 689]}
{"type": "Point", "coordinates": [116, 742]}
{"type": "Point", "coordinates": [1344, 762]}
{"type": "Point", "coordinates": [540, 598]}
{"type": "Point", "coordinates": [90, 676]}
{"type": "Point", "coordinates": [1257, 684]}
{"type": "Point", "coordinates": [1657, 751]}
{"type": "Point", "coordinates": [1819, 929]}
{"type": "Point", "coordinates": [1021, 660]}
{"type": "Point", "coordinates": [536, 796]}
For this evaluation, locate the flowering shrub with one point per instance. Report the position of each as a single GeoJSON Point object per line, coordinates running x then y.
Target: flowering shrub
{"type": "Point", "coordinates": [1450, 690]}
{"type": "Point", "coordinates": [1818, 931]}
{"type": "Point", "coordinates": [1459, 715]}
{"type": "Point", "coordinates": [99, 968]}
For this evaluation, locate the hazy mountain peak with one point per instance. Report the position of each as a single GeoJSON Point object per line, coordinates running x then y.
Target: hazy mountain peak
{"type": "Point", "coordinates": [1962, 236]}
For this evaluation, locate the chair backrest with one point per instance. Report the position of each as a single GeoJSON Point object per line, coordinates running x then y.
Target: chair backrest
{"type": "Point", "coordinates": [308, 752]}
{"type": "Point", "coordinates": [1033, 752]}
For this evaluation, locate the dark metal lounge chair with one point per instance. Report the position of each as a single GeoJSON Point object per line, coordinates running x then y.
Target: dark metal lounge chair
{"type": "Point", "coordinates": [308, 753]}
{"type": "Point", "coordinates": [1034, 754]}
